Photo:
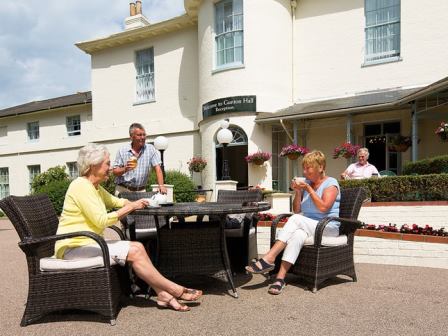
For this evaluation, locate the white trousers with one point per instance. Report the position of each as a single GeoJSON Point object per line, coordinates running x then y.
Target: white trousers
{"type": "Point", "coordinates": [296, 230]}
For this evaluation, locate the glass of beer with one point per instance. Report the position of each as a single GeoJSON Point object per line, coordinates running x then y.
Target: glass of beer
{"type": "Point", "coordinates": [132, 162]}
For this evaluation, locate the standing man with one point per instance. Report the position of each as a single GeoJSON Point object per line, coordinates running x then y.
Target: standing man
{"type": "Point", "coordinates": [131, 175]}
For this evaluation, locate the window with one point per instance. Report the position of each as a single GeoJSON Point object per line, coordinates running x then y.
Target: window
{"type": "Point", "coordinates": [32, 172]}
{"type": "Point", "coordinates": [229, 33]}
{"type": "Point", "coordinates": [144, 66]}
{"type": "Point", "coordinates": [4, 182]}
{"type": "Point", "coordinates": [33, 131]}
{"type": "Point", "coordinates": [382, 30]}
{"type": "Point", "coordinates": [72, 170]}
{"type": "Point", "coordinates": [73, 125]}
{"type": "Point", "coordinates": [3, 135]}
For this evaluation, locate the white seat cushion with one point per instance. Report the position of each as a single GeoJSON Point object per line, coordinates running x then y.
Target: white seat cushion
{"type": "Point", "coordinates": [55, 264]}
{"type": "Point", "coordinates": [329, 241]}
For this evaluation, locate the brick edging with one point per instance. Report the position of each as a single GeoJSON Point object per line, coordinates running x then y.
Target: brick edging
{"type": "Point", "coordinates": [401, 236]}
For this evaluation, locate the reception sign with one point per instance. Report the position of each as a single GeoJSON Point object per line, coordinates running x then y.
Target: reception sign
{"type": "Point", "coordinates": [229, 104]}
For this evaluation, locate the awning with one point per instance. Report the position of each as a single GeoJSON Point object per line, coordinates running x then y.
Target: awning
{"type": "Point", "coordinates": [361, 103]}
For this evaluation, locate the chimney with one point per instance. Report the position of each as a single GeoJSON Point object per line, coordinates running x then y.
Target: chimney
{"type": "Point", "coordinates": [132, 11]}
{"type": "Point", "coordinates": [138, 7]}
{"type": "Point", "coordinates": [136, 18]}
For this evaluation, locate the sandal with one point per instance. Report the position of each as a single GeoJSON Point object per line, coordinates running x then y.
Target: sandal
{"type": "Point", "coordinates": [173, 304]}
{"type": "Point", "coordinates": [275, 289]}
{"type": "Point", "coordinates": [195, 294]}
{"type": "Point", "coordinates": [265, 267]}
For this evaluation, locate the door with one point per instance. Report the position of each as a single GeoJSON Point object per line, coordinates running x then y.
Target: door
{"type": "Point", "coordinates": [376, 140]}
{"type": "Point", "coordinates": [234, 154]}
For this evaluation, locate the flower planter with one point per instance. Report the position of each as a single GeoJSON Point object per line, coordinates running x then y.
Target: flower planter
{"type": "Point", "coordinates": [258, 162]}
{"type": "Point", "coordinates": [293, 156]}
{"type": "Point", "coordinates": [347, 156]}
{"type": "Point", "coordinates": [197, 170]}
{"type": "Point", "coordinates": [398, 148]}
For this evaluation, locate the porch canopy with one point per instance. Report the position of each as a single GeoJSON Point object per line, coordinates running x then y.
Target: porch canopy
{"type": "Point", "coordinates": [417, 99]}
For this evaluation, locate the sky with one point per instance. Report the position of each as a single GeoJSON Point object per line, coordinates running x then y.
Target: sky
{"type": "Point", "coordinates": [38, 56]}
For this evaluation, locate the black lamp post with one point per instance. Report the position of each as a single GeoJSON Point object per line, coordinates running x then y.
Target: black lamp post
{"type": "Point", "coordinates": [161, 144]}
{"type": "Point", "coordinates": [225, 137]}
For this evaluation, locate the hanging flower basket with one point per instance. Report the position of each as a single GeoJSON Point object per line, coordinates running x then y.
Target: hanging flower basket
{"type": "Point", "coordinates": [293, 152]}
{"type": "Point", "coordinates": [442, 131]}
{"type": "Point", "coordinates": [258, 158]}
{"type": "Point", "coordinates": [346, 150]}
{"type": "Point", "coordinates": [400, 143]}
{"type": "Point", "coordinates": [197, 164]}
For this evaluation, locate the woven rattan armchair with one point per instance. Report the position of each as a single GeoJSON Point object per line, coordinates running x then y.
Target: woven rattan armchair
{"type": "Point", "coordinates": [92, 289]}
{"type": "Point", "coordinates": [318, 262]}
{"type": "Point", "coordinates": [241, 242]}
{"type": "Point", "coordinates": [140, 228]}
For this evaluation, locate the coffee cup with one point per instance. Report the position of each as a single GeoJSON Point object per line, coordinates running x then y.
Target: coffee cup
{"type": "Point", "coordinates": [152, 202]}
{"type": "Point", "coordinates": [298, 179]}
{"type": "Point", "coordinates": [160, 198]}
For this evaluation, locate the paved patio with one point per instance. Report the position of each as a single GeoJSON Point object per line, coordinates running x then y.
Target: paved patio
{"type": "Point", "coordinates": [386, 300]}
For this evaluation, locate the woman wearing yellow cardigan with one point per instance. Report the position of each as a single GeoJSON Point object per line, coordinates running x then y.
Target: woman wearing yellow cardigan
{"type": "Point", "coordinates": [85, 209]}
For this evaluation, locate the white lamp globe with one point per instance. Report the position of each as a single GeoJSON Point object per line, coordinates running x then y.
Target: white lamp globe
{"type": "Point", "coordinates": [224, 136]}
{"type": "Point", "coordinates": [161, 143]}
{"type": "Point", "coordinates": [224, 123]}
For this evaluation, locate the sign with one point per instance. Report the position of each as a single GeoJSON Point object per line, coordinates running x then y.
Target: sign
{"type": "Point", "coordinates": [229, 104]}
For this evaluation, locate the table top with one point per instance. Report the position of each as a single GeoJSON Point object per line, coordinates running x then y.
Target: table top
{"type": "Point", "coordinates": [205, 208]}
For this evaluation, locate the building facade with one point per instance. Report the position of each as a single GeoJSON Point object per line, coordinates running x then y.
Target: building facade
{"type": "Point", "coordinates": [314, 72]}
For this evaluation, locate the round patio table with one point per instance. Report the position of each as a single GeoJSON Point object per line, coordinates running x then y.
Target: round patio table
{"type": "Point", "coordinates": [197, 247]}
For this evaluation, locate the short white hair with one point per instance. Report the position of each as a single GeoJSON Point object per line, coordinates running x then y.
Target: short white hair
{"type": "Point", "coordinates": [90, 155]}
{"type": "Point", "coordinates": [363, 150]}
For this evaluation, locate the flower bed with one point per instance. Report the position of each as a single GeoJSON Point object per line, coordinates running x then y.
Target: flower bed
{"type": "Point", "coordinates": [406, 232]}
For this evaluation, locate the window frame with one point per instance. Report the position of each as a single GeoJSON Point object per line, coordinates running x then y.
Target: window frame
{"type": "Point", "coordinates": [140, 97]}
{"type": "Point", "coordinates": [32, 175]}
{"type": "Point", "coordinates": [70, 169]}
{"type": "Point", "coordinates": [233, 32]}
{"type": "Point", "coordinates": [33, 131]}
{"type": "Point", "coordinates": [391, 55]}
{"type": "Point", "coordinates": [4, 187]}
{"type": "Point", "coordinates": [74, 131]}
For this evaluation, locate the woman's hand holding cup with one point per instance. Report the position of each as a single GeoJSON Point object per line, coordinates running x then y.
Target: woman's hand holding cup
{"type": "Point", "coordinates": [298, 183]}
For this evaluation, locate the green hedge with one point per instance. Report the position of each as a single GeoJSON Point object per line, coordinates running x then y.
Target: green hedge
{"type": "Point", "coordinates": [184, 187]}
{"type": "Point", "coordinates": [404, 188]}
{"type": "Point", "coordinates": [435, 165]}
{"type": "Point", "coordinates": [56, 193]}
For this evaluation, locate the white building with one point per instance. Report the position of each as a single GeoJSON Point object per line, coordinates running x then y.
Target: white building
{"type": "Point", "coordinates": [317, 72]}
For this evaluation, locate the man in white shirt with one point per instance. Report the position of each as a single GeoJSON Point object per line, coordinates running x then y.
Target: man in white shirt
{"type": "Point", "coordinates": [361, 169]}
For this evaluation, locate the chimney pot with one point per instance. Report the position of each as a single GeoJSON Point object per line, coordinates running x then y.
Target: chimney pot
{"type": "Point", "coordinates": [132, 10]}
{"type": "Point", "coordinates": [138, 6]}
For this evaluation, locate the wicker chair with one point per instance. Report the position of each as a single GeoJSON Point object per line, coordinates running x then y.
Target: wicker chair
{"type": "Point", "coordinates": [318, 260]}
{"type": "Point", "coordinates": [93, 289]}
{"type": "Point", "coordinates": [241, 242]}
{"type": "Point", "coordinates": [140, 228]}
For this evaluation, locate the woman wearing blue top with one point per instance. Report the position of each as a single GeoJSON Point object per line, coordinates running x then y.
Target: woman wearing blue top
{"type": "Point", "coordinates": [315, 198]}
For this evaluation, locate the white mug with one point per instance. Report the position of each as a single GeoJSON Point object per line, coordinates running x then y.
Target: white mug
{"type": "Point", "coordinates": [299, 179]}
{"type": "Point", "coordinates": [152, 202]}
{"type": "Point", "coordinates": [159, 198]}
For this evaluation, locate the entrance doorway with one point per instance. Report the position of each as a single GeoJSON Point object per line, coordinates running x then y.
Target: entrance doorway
{"type": "Point", "coordinates": [234, 153]}
{"type": "Point", "coordinates": [376, 140]}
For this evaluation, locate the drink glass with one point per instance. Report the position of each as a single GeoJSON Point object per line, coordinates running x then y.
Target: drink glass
{"type": "Point", "coordinates": [132, 162]}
